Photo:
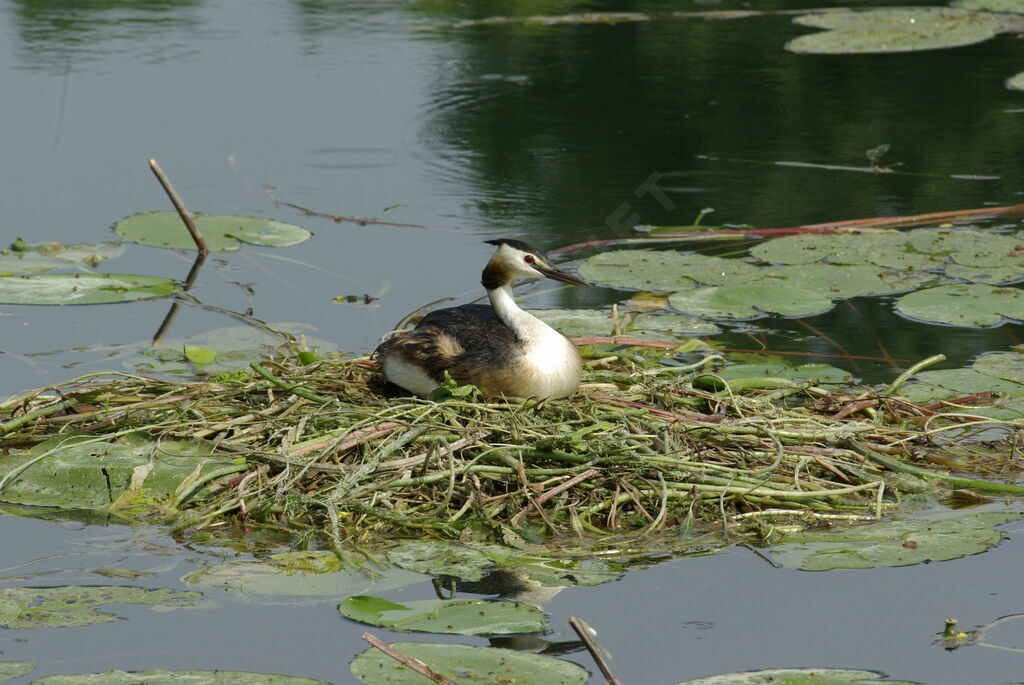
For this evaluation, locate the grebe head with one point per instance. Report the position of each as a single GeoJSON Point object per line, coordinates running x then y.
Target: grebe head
{"type": "Point", "coordinates": [515, 259]}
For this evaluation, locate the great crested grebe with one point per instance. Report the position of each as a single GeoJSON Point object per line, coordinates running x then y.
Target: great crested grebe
{"type": "Point", "coordinates": [499, 348]}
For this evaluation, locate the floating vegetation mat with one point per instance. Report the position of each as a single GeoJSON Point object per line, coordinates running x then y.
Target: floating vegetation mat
{"type": "Point", "coordinates": [318, 451]}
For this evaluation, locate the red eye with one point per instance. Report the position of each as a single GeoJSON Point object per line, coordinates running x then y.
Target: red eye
{"type": "Point", "coordinates": [528, 259]}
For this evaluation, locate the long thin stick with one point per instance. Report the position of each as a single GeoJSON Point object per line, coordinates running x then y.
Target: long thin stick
{"type": "Point", "coordinates": [180, 206]}
{"type": "Point", "coordinates": [414, 664]}
{"type": "Point", "coordinates": [582, 629]}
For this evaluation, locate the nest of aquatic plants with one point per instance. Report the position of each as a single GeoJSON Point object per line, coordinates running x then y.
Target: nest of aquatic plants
{"type": "Point", "coordinates": [320, 450]}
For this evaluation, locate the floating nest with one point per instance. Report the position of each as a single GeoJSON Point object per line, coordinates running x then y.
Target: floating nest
{"type": "Point", "coordinates": [319, 451]}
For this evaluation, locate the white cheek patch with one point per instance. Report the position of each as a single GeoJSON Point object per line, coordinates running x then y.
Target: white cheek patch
{"type": "Point", "coordinates": [408, 376]}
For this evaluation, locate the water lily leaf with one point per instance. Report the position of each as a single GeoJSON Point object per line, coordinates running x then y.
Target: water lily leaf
{"type": "Point", "coordinates": [222, 232]}
{"type": "Point", "coordinates": [54, 607]}
{"type": "Point", "coordinates": [993, 275]}
{"type": "Point", "coordinates": [891, 250]}
{"type": "Point", "coordinates": [451, 616]}
{"type": "Point", "coordinates": [712, 270]}
{"type": "Point", "coordinates": [77, 472]}
{"type": "Point", "coordinates": [799, 676]}
{"type": "Point", "coordinates": [962, 304]}
{"type": "Point", "coordinates": [750, 300]}
{"type": "Point", "coordinates": [670, 327]}
{"type": "Point", "coordinates": [823, 373]}
{"type": "Point", "coordinates": [465, 664]}
{"type": "Point", "coordinates": [1016, 82]}
{"type": "Point", "coordinates": [1015, 6]}
{"type": "Point", "coordinates": [896, 30]}
{"type": "Point", "coordinates": [296, 578]}
{"type": "Point", "coordinates": [657, 270]}
{"type": "Point", "coordinates": [28, 263]}
{"type": "Point", "coordinates": [62, 289]}
{"type": "Point", "coordinates": [948, 383]}
{"type": "Point", "coordinates": [473, 561]}
{"type": "Point", "coordinates": [89, 254]}
{"type": "Point", "coordinates": [199, 355]}
{"type": "Point", "coordinates": [9, 670]}
{"type": "Point", "coordinates": [834, 281]}
{"type": "Point", "coordinates": [970, 248]}
{"type": "Point", "coordinates": [577, 323]}
{"type": "Point", "coordinates": [892, 543]}
{"type": "Point", "coordinates": [1006, 365]}
{"type": "Point", "coordinates": [190, 677]}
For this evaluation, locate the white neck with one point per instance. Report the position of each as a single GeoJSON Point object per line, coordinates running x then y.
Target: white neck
{"type": "Point", "coordinates": [509, 313]}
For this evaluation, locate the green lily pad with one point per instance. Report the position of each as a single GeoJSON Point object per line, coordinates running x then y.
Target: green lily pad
{"type": "Point", "coordinates": [669, 327]}
{"type": "Point", "coordinates": [78, 472]}
{"type": "Point", "coordinates": [969, 248]}
{"type": "Point", "coordinates": [9, 670]}
{"type": "Point", "coordinates": [892, 543]}
{"type": "Point", "coordinates": [61, 289]}
{"type": "Point", "coordinates": [222, 232]}
{"type": "Point", "coordinates": [1006, 365]}
{"type": "Point", "coordinates": [1015, 6]}
{"type": "Point", "coordinates": [190, 677]}
{"type": "Point", "coordinates": [949, 383]}
{"type": "Point", "coordinates": [961, 304]}
{"type": "Point", "coordinates": [891, 250]}
{"type": "Point", "coordinates": [800, 676]}
{"type": "Point", "coordinates": [465, 664]}
{"type": "Point", "coordinates": [823, 373]}
{"type": "Point", "coordinates": [54, 607]}
{"type": "Point", "coordinates": [89, 254]}
{"type": "Point", "coordinates": [1016, 82]}
{"type": "Point", "coordinates": [450, 616]}
{"type": "Point", "coordinates": [992, 275]}
{"type": "Point", "coordinates": [473, 561]}
{"type": "Point", "coordinates": [750, 300]}
{"type": "Point", "coordinates": [840, 282]}
{"type": "Point", "coordinates": [896, 30]}
{"type": "Point", "coordinates": [296, 578]}
{"type": "Point", "coordinates": [655, 270]}
{"type": "Point", "coordinates": [577, 323]}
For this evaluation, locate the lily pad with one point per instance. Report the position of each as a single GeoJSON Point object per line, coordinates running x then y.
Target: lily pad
{"type": "Point", "coordinates": [970, 248]}
{"type": "Point", "coordinates": [896, 30]}
{"type": "Point", "coordinates": [800, 676]}
{"type": "Point", "coordinates": [992, 275]}
{"type": "Point", "coordinates": [9, 670]}
{"type": "Point", "coordinates": [1016, 82]}
{"type": "Point", "coordinates": [962, 304]}
{"type": "Point", "coordinates": [89, 254]}
{"type": "Point", "coordinates": [1006, 365]}
{"type": "Point", "coordinates": [750, 300]}
{"type": "Point", "coordinates": [670, 327]}
{"type": "Point", "coordinates": [577, 323]}
{"type": "Point", "coordinates": [190, 677]}
{"type": "Point", "coordinates": [222, 232]}
{"type": "Point", "coordinates": [77, 472]}
{"type": "Point", "coordinates": [450, 616]}
{"type": "Point", "coordinates": [949, 383]}
{"type": "Point", "coordinates": [465, 664]}
{"type": "Point", "coordinates": [54, 607]}
{"type": "Point", "coordinates": [653, 270]}
{"type": "Point", "coordinates": [892, 543]}
{"type": "Point", "coordinates": [294, 578]}
{"type": "Point", "coordinates": [890, 250]}
{"type": "Point", "coordinates": [61, 289]}
{"type": "Point", "coordinates": [840, 282]}
{"type": "Point", "coordinates": [473, 561]}
{"type": "Point", "coordinates": [1015, 6]}
{"type": "Point", "coordinates": [823, 373]}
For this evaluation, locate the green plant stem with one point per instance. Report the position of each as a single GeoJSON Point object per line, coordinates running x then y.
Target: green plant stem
{"type": "Point", "coordinates": [290, 387]}
{"type": "Point", "coordinates": [900, 467]}
{"type": "Point", "coordinates": [36, 414]}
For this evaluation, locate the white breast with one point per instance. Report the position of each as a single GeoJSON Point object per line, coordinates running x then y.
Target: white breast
{"type": "Point", "coordinates": [552, 362]}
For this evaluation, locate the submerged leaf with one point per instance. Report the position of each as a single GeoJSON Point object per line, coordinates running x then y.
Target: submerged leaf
{"type": "Point", "coordinates": [52, 607]}
{"type": "Point", "coordinates": [465, 664]}
{"type": "Point", "coordinates": [60, 289]}
{"type": "Point", "coordinates": [190, 677]}
{"type": "Point", "coordinates": [222, 232]}
{"type": "Point", "coordinates": [961, 304]}
{"type": "Point", "coordinates": [451, 616]}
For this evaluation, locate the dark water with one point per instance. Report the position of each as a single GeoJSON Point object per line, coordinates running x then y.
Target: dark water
{"type": "Point", "coordinates": [546, 133]}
